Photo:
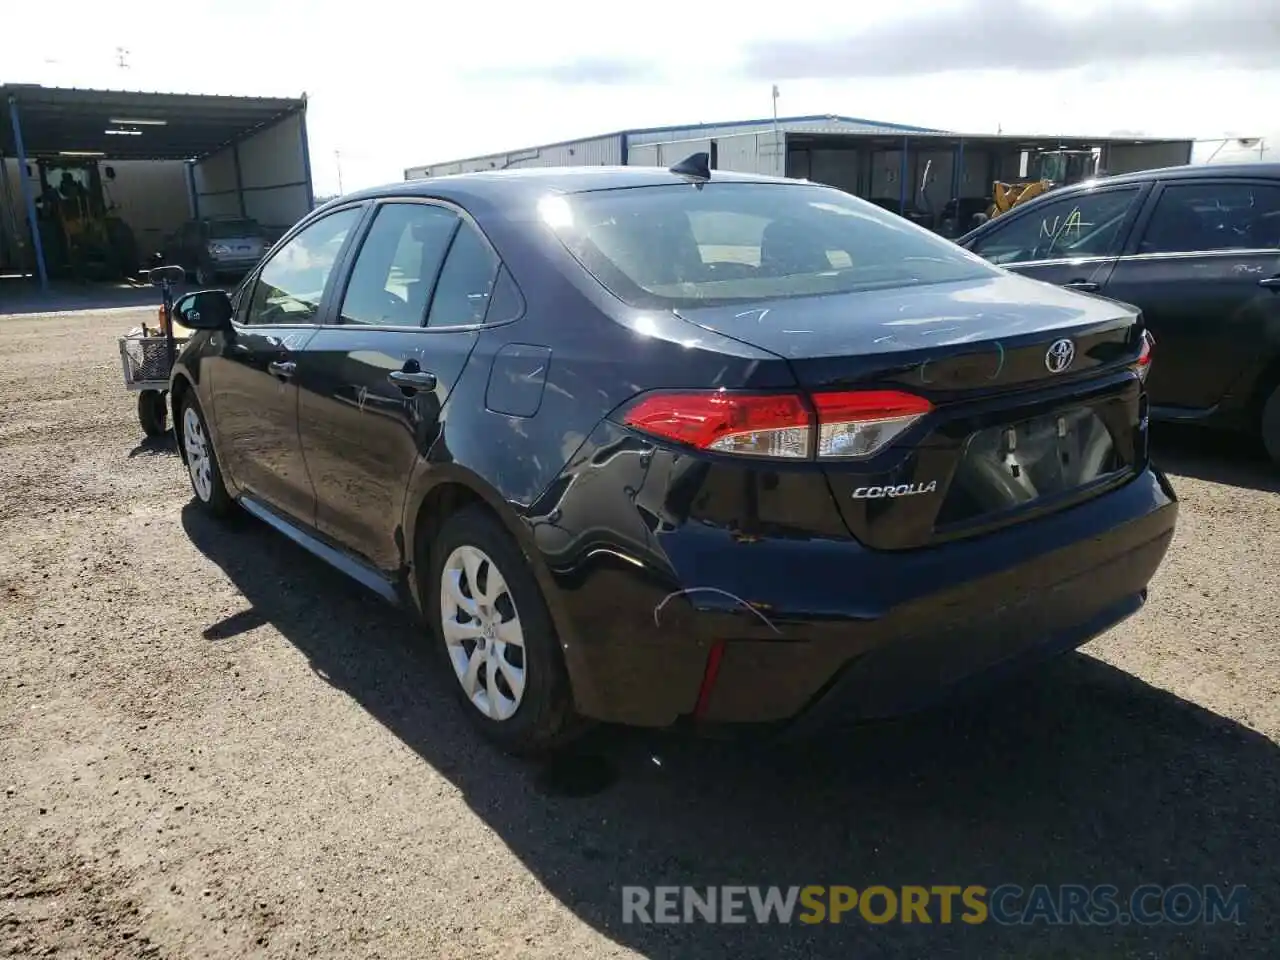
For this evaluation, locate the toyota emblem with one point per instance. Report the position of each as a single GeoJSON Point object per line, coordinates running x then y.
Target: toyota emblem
{"type": "Point", "coordinates": [1060, 355]}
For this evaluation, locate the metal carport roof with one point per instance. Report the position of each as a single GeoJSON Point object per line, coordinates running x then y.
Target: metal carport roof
{"type": "Point", "coordinates": [157, 126]}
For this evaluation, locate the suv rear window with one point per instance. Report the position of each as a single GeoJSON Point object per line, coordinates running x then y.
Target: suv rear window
{"type": "Point", "coordinates": [689, 245]}
{"type": "Point", "coordinates": [230, 229]}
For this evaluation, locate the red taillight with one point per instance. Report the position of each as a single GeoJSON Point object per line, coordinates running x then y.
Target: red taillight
{"type": "Point", "coordinates": [830, 425]}
{"type": "Point", "coordinates": [1144, 354]}
{"type": "Point", "coordinates": [761, 424]}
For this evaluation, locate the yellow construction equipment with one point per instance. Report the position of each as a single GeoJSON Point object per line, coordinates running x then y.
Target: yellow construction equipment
{"type": "Point", "coordinates": [1056, 168]}
{"type": "Point", "coordinates": [1006, 196]}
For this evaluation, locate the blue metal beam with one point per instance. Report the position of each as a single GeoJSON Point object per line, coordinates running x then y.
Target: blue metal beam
{"type": "Point", "coordinates": [235, 157]}
{"type": "Point", "coordinates": [902, 185]}
{"type": "Point", "coordinates": [306, 156]}
{"type": "Point", "coordinates": [28, 200]}
{"type": "Point", "coordinates": [193, 197]}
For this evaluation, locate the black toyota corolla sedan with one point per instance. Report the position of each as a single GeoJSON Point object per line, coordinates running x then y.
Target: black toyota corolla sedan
{"type": "Point", "coordinates": [660, 446]}
{"type": "Point", "coordinates": [1197, 249]}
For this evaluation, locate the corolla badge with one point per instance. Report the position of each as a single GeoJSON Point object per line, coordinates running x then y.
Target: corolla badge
{"type": "Point", "coordinates": [899, 490]}
{"type": "Point", "coordinates": [1059, 355]}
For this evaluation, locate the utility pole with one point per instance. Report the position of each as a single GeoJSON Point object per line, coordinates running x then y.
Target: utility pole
{"type": "Point", "coordinates": [121, 54]}
{"type": "Point", "coordinates": [337, 159]}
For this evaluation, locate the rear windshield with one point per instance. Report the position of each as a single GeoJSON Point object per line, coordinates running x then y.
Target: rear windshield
{"type": "Point", "coordinates": [230, 229]}
{"type": "Point", "coordinates": [684, 245]}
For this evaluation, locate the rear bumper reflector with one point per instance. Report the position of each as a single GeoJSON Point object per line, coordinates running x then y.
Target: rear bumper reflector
{"type": "Point", "coordinates": [709, 679]}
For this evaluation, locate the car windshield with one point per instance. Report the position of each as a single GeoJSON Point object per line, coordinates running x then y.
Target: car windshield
{"type": "Point", "coordinates": [698, 245]}
{"type": "Point", "coordinates": [229, 229]}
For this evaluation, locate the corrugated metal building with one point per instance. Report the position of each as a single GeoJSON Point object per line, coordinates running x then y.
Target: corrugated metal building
{"type": "Point", "coordinates": [938, 177]}
{"type": "Point", "coordinates": [658, 146]}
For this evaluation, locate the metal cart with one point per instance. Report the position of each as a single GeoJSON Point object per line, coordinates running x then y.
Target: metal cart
{"type": "Point", "coordinates": [147, 355]}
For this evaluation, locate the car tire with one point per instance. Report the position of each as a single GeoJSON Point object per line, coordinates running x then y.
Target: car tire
{"type": "Point", "coordinates": [205, 277]}
{"type": "Point", "coordinates": [497, 637]}
{"type": "Point", "coordinates": [151, 412]}
{"type": "Point", "coordinates": [203, 468]}
{"type": "Point", "coordinates": [1271, 425]}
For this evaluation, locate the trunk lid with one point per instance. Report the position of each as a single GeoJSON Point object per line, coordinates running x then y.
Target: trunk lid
{"type": "Point", "coordinates": [1021, 425]}
{"type": "Point", "coordinates": [944, 339]}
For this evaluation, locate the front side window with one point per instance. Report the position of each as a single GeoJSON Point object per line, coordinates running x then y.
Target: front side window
{"type": "Point", "coordinates": [1192, 217]}
{"type": "Point", "coordinates": [1084, 225]}
{"type": "Point", "coordinates": [667, 246]}
{"type": "Point", "coordinates": [397, 265]}
{"type": "Point", "coordinates": [291, 285]}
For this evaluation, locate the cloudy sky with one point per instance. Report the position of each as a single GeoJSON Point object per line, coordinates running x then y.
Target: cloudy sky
{"type": "Point", "coordinates": [393, 85]}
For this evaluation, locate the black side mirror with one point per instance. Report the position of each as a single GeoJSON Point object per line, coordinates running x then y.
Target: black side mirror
{"type": "Point", "coordinates": [204, 310]}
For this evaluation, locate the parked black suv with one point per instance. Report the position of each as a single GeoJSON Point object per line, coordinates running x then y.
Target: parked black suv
{"type": "Point", "coordinates": [1197, 250]}
{"type": "Point", "coordinates": [644, 445]}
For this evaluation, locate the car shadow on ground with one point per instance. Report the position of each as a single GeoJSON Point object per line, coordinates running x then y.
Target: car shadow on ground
{"type": "Point", "coordinates": [18, 296]}
{"type": "Point", "coordinates": [1079, 774]}
{"type": "Point", "coordinates": [1217, 456]}
{"type": "Point", "coordinates": [23, 297]}
{"type": "Point", "coordinates": [162, 445]}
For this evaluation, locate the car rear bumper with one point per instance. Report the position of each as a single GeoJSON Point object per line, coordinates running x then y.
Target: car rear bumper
{"type": "Point", "coordinates": [233, 264]}
{"type": "Point", "coordinates": [827, 628]}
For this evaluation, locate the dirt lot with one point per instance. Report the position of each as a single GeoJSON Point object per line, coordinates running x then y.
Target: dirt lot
{"type": "Point", "coordinates": [212, 746]}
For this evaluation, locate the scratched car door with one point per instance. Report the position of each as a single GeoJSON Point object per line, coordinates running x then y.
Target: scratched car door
{"type": "Point", "coordinates": [374, 381]}
{"type": "Point", "coordinates": [1071, 241]}
{"type": "Point", "coordinates": [255, 397]}
{"type": "Point", "coordinates": [1204, 267]}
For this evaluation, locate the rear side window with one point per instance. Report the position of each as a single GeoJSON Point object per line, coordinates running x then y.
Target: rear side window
{"type": "Point", "coordinates": [233, 229]}
{"type": "Point", "coordinates": [397, 265]}
{"type": "Point", "coordinates": [1083, 225]}
{"type": "Point", "coordinates": [506, 303]}
{"type": "Point", "coordinates": [466, 282]}
{"type": "Point", "coordinates": [1214, 216]}
{"type": "Point", "coordinates": [684, 244]}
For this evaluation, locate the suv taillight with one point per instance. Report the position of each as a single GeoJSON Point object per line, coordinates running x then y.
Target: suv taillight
{"type": "Point", "coordinates": [844, 425]}
{"type": "Point", "coordinates": [1144, 354]}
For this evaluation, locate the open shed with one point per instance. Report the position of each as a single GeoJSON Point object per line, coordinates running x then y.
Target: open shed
{"type": "Point", "coordinates": [939, 178]}
{"type": "Point", "coordinates": [239, 156]}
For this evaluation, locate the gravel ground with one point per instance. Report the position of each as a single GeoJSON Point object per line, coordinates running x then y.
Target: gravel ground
{"type": "Point", "coordinates": [212, 746]}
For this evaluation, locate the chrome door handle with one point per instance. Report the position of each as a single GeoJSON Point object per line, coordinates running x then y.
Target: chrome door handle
{"type": "Point", "coordinates": [285, 369]}
{"type": "Point", "coordinates": [1271, 283]}
{"type": "Point", "coordinates": [1086, 285]}
{"type": "Point", "coordinates": [412, 379]}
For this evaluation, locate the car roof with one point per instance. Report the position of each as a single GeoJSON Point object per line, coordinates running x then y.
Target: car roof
{"type": "Point", "coordinates": [1192, 171]}
{"type": "Point", "coordinates": [532, 182]}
